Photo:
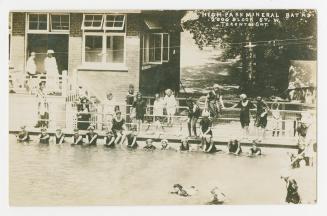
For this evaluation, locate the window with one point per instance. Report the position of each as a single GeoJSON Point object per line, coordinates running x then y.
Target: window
{"type": "Point", "coordinates": [114, 22]}
{"type": "Point", "coordinates": [103, 22]}
{"type": "Point", "coordinates": [92, 22]}
{"type": "Point", "coordinates": [59, 22]}
{"type": "Point", "coordinates": [107, 48]}
{"type": "Point", "coordinates": [45, 23]}
{"type": "Point", "coordinates": [156, 48]}
{"type": "Point", "coordinates": [38, 22]}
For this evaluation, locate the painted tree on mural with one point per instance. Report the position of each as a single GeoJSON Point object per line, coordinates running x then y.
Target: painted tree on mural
{"type": "Point", "coordinates": [272, 46]}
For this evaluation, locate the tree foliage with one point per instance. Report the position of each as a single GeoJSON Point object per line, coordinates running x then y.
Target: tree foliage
{"type": "Point", "coordinates": [278, 42]}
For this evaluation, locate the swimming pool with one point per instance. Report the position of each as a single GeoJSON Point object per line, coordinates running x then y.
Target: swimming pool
{"type": "Point", "coordinates": [65, 175]}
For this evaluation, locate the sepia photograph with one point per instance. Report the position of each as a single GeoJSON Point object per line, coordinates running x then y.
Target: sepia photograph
{"type": "Point", "coordinates": [148, 107]}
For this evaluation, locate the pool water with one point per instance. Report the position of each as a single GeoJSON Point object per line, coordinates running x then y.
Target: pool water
{"type": "Point", "coordinates": [65, 175]}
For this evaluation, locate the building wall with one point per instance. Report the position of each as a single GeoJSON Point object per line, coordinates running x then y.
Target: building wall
{"type": "Point", "coordinates": [101, 81]}
{"type": "Point", "coordinates": [18, 57]}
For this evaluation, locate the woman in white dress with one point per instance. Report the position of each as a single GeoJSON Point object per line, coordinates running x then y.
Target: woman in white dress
{"type": "Point", "coordinates": [51, 69]}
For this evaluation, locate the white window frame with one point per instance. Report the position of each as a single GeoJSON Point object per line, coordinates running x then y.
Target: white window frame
{"type": "Point", "coordinates": [59, 14]}
{"type": "Point", "coordinates": [37, 30]}
{"type": "Point", "coordinates": [104, 47]}
{"type": "Point", "coordinates": [146, 48]}
{"type": "Point", "coordinates": [91, 27]}
{"type": "Point", "coordinates": [113, 28]}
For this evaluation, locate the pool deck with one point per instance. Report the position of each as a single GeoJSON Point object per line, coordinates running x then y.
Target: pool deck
{"type": "Point", "coordinates": [272, 142]}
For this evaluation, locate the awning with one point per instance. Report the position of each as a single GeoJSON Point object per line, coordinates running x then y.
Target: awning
{"type": "Point", "coordinates": [152, 24]}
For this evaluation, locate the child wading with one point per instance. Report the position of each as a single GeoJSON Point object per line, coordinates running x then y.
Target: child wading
{"type": "Point", "coordinates": [91, 136]}
{"type": "Point", "coordinates": [165, 145]}
{"type": "Point", "coordinates": [59, 137]}
{"type": "Point", "coordinates": [23, 135]}
{"type": "Point", "coordinates": [193, 116]}
{"type": "Point", "coordinates": [44, 136]}
{"type": "Point", "coordinates": [77, 138]}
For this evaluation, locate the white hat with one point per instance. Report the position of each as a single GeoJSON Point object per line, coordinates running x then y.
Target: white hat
{"type": "Point", "coordinates": [243, 96]}
{"type": "Point", "coordinates": [50, 52]}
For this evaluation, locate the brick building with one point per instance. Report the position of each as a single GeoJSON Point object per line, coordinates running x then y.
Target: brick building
{"type": "Point", "coordinates": [105, 50]}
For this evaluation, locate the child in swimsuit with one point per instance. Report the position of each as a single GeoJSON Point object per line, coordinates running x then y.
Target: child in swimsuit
{"type": "Point", "coordinates": [131, 139]}
{"type": "Point", "coordinates": [77, 138]}
{"type": "Point", "coordinates": [184, 145]}
{"type": "Point", "coordinates": [234, 147]}
{"type": "Point", "coordinates": [91, 136]}
{"type": "Point", "coordinates": [109, 139]}
{"type": "Point", "coordinates": [254, 150]}
{"type": "Point", "coordinates": [149, 146]}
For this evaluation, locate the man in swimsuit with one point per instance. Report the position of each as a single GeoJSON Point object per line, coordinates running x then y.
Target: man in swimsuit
{"type": "Point", "coordinates": [109, 139]}
{"type": "Point", "coordinates": [214, 101]}
{"type": "Point", "coordinates": [193, 116]}
{"type": "Point", "coordinates": [206, 131]}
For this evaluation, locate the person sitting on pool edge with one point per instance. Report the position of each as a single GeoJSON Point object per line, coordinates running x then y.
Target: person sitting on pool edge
{"type": "Point", "coordinates": [44, 136]}
{"type": "Point", "coordinates": [206, 125]}
{"type": "Point", "coordinates": [131, 138]}
{"type": "Point", "coordinates": [234, 147]}
{"type": "Point", "coordinates": [109, 139]}
{"type": "Point", "coordinates": [178, 190]}
{"type": "Point", "coordinates": [149, 146]}
{"type": "Point", "coordinates": [119, 128]}
{"type": "Point", "coordinates": [254, 150]}
{"type": "Point", "coordinates": [23, 135]}
{"type": "Point", "coordinates": [184, 145]}
{"type": "Point", "coordinates": [59, 136]}
{"type": "Point", "coordinates": [77, 138]}
{"type": "Point", "coordinates": [91, 136]}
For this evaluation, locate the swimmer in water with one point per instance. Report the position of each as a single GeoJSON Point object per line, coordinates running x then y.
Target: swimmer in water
{"type": "Point", "coordinates": [178, 190]}
{"type": "Point", "coordinates": [293, 195]}
{"type": "Point", "coordinates": [59, 136]}
{"type": "Point", "coordinates": [165, 145]}
{"type": "Point", "coordinates": [234, 147]}
{"type": "Point", "coordinates": [184, 145]}
{"type": "Point", "coordinates": [131, 138]}
{"type": "Point", "coordinates": [218, 197]}
{"type": "Point", "coordinates": [254, 150]}
{"type": "Point", "coordinates": [91, 136]}
{"type": "Point", "coordinates": [77, 138]}
{"type": "Point", "coordinates": [23, 135]}
{"type": "Point", "coordinates": [149, 146]}
{"type": "Point", "coordinates": [44, 136]}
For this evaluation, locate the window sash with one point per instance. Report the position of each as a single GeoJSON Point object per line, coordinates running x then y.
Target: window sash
{"type": "Point", "coordinates": [150, 48]}
{"type": "Point", "coordinates": [117, 24]}
{"type": "Point", "coordinates": [60, 22]}
{"type": "Point", "coordinates": [90, 22]}
{"type": "Point", "coordinates": [104, 51]}
{"type": "Point", "coordinates": [37, 22]}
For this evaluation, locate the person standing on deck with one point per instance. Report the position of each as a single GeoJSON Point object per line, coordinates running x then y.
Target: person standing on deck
{"type": "Point", "coordinates": [130, 98]}
{"type": "Point", "coordinates": [158, 106]}
{"type": "Point", "coordinates": [214, 101]}
{"type": "Point", "coordinates": [140, 108]}
{"type": "Point", "coordinates": [261, 118]}
{"type": "Point", "coordinates": [171, 105]}
{"type": "Point", "coordinates": [31, 71]}
{"type": "Point", "coordinates": [43, 107]}
{"type": "Point", "coordinates": [193, 116]}
{"type": "Point", "coordinates": [51, 69]}
{"type": "Point", "coordinates": [276, 118]}
{"type": "Point", "coordinates": [245, 105]}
